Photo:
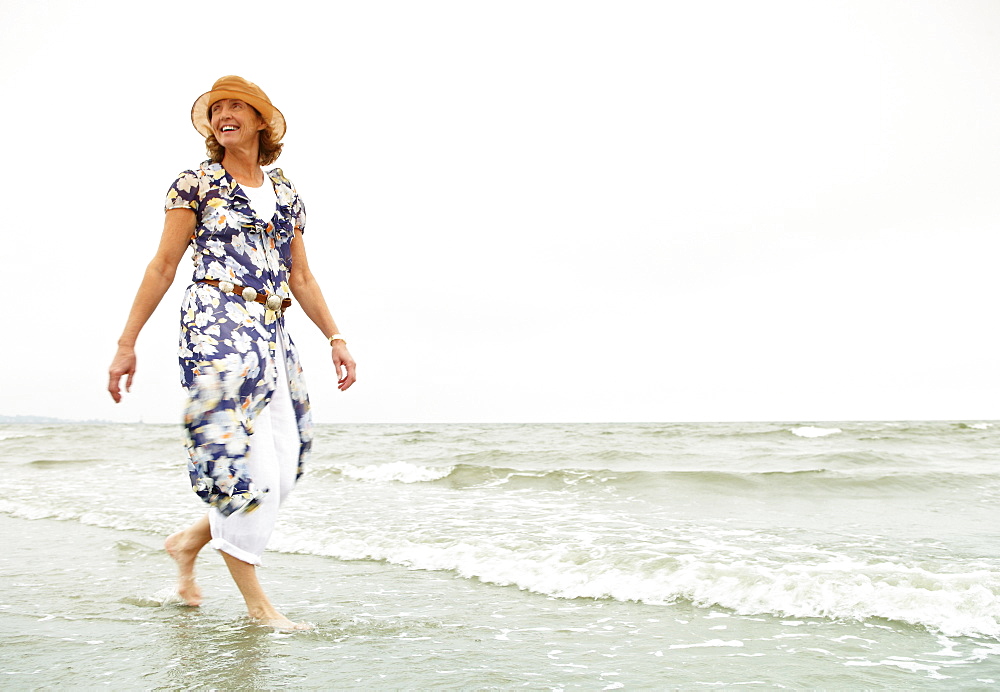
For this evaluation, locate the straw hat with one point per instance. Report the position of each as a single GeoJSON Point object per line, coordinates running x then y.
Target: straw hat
{"type": "Point", "coordinates": [233, 87]}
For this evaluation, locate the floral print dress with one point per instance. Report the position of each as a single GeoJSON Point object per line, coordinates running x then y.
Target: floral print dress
{"type": "Point", "coordinates": [227, 344]}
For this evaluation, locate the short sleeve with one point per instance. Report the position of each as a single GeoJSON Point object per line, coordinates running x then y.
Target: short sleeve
{"type": "Point", "coordinates": [299, 214]}
{"type": "Point", "coordinates": [183, 193]}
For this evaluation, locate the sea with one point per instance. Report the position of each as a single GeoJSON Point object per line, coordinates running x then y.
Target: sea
{"type": "Point", "coordinates": [796, 555]}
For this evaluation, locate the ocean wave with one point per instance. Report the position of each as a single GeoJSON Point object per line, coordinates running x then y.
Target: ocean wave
{"type": "Point", "coordinates": [15, 436]}
{"type": "Point", "coordinates": [553, 458]}
{"type": "Point", "coordinates": [397, 471]}
{"type": "Point", "coordinates": [47, 463]}
{"type": "Point", "coordinates": [955, 604]}
{"type": "Point", "coordinates": [472, 476]}
{"type": "Point", "coordinates": [813, 431]}
{"type": "Point", "coordinates": [615, 557]}
{"type": "Point", "coordinates": [461, 476]}
{"type": "Point", "coordinates": [26, 511]}
{"type": "Point", "coordinates": [81, 508]}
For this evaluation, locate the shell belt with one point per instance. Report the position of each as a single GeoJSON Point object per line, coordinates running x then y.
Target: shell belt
{"type": "Point", "coordinates": [271, 302]}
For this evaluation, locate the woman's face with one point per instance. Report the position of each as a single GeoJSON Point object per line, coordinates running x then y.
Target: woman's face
{"type": "Point", "coordinates": [235, 123]}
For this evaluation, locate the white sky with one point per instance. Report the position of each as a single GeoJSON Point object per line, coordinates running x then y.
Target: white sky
{"type": "Point", "coordinates": [535, 211]}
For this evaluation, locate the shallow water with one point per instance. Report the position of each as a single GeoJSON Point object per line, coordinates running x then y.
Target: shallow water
{"type": "Point", "coordinates": [795, 555]}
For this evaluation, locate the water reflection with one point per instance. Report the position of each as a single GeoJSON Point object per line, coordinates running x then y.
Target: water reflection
{"type": "Point", "coordinates": [207, 653]}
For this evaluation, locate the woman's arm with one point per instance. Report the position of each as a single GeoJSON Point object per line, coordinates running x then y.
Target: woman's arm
{"type": "Point", "coordinates": [310, 297]}
{"type": "Point", "coordinates": [177, 229]}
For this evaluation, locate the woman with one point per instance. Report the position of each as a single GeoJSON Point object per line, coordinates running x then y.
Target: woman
{"type": "Point", "coordinates": [247, 419]}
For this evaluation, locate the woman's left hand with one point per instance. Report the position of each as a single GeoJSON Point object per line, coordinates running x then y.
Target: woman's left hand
{"type": "Point", "coordinates": [344, 365]}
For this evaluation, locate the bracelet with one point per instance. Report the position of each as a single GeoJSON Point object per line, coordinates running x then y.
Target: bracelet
{"type": "Point", "coordinates": [338, 337]}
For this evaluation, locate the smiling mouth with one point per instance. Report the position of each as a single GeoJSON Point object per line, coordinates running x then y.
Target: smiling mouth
{"type": "Point", "coordinates": [228, 128]}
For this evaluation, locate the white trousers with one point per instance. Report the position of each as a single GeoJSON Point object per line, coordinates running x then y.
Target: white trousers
{"type": "Point", "coordinates": [272, 461]}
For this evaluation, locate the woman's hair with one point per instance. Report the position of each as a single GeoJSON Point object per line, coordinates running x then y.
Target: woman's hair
{"type": "Point", "coordinates": [269, 149]}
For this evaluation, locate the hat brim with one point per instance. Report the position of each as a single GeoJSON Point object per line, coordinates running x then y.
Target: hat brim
{"type": "Point", "coordinates": [271, 115]}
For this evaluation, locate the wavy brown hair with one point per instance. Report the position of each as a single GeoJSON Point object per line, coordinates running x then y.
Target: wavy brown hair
{"type": "Point", "coordinates": [269, 149]}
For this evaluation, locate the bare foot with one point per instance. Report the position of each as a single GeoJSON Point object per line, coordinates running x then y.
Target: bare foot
{"type": "Point", "coordinates": [283, 624]}
{"type": "Point", "coordinates": [184, 554]}
{"type": "Point", "coordinates": [280, 622]}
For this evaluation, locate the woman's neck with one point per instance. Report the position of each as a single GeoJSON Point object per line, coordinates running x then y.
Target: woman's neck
{"type": "Point", "coordinates": [243, 167]}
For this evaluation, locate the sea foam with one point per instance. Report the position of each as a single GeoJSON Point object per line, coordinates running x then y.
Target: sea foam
{"type": "Point", "coordinates": [399, 471]}
{"type": "Point", "coordinates": [813, 431]}
{"type": "Point", "coordinates": [954, 604]}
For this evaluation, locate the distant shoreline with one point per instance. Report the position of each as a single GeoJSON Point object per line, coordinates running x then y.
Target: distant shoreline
{"type": "Point", "coordinates": [47, 419]}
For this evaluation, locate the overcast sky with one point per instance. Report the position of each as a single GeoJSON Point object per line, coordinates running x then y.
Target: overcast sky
{"type": "Point", "coordinates": [534, 211]}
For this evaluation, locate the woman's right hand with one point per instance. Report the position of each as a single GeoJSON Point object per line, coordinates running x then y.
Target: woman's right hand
{"type": "Point", "coordinates": [178, 228]}
{"type": "Point", "coordinates": [123, 364]}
